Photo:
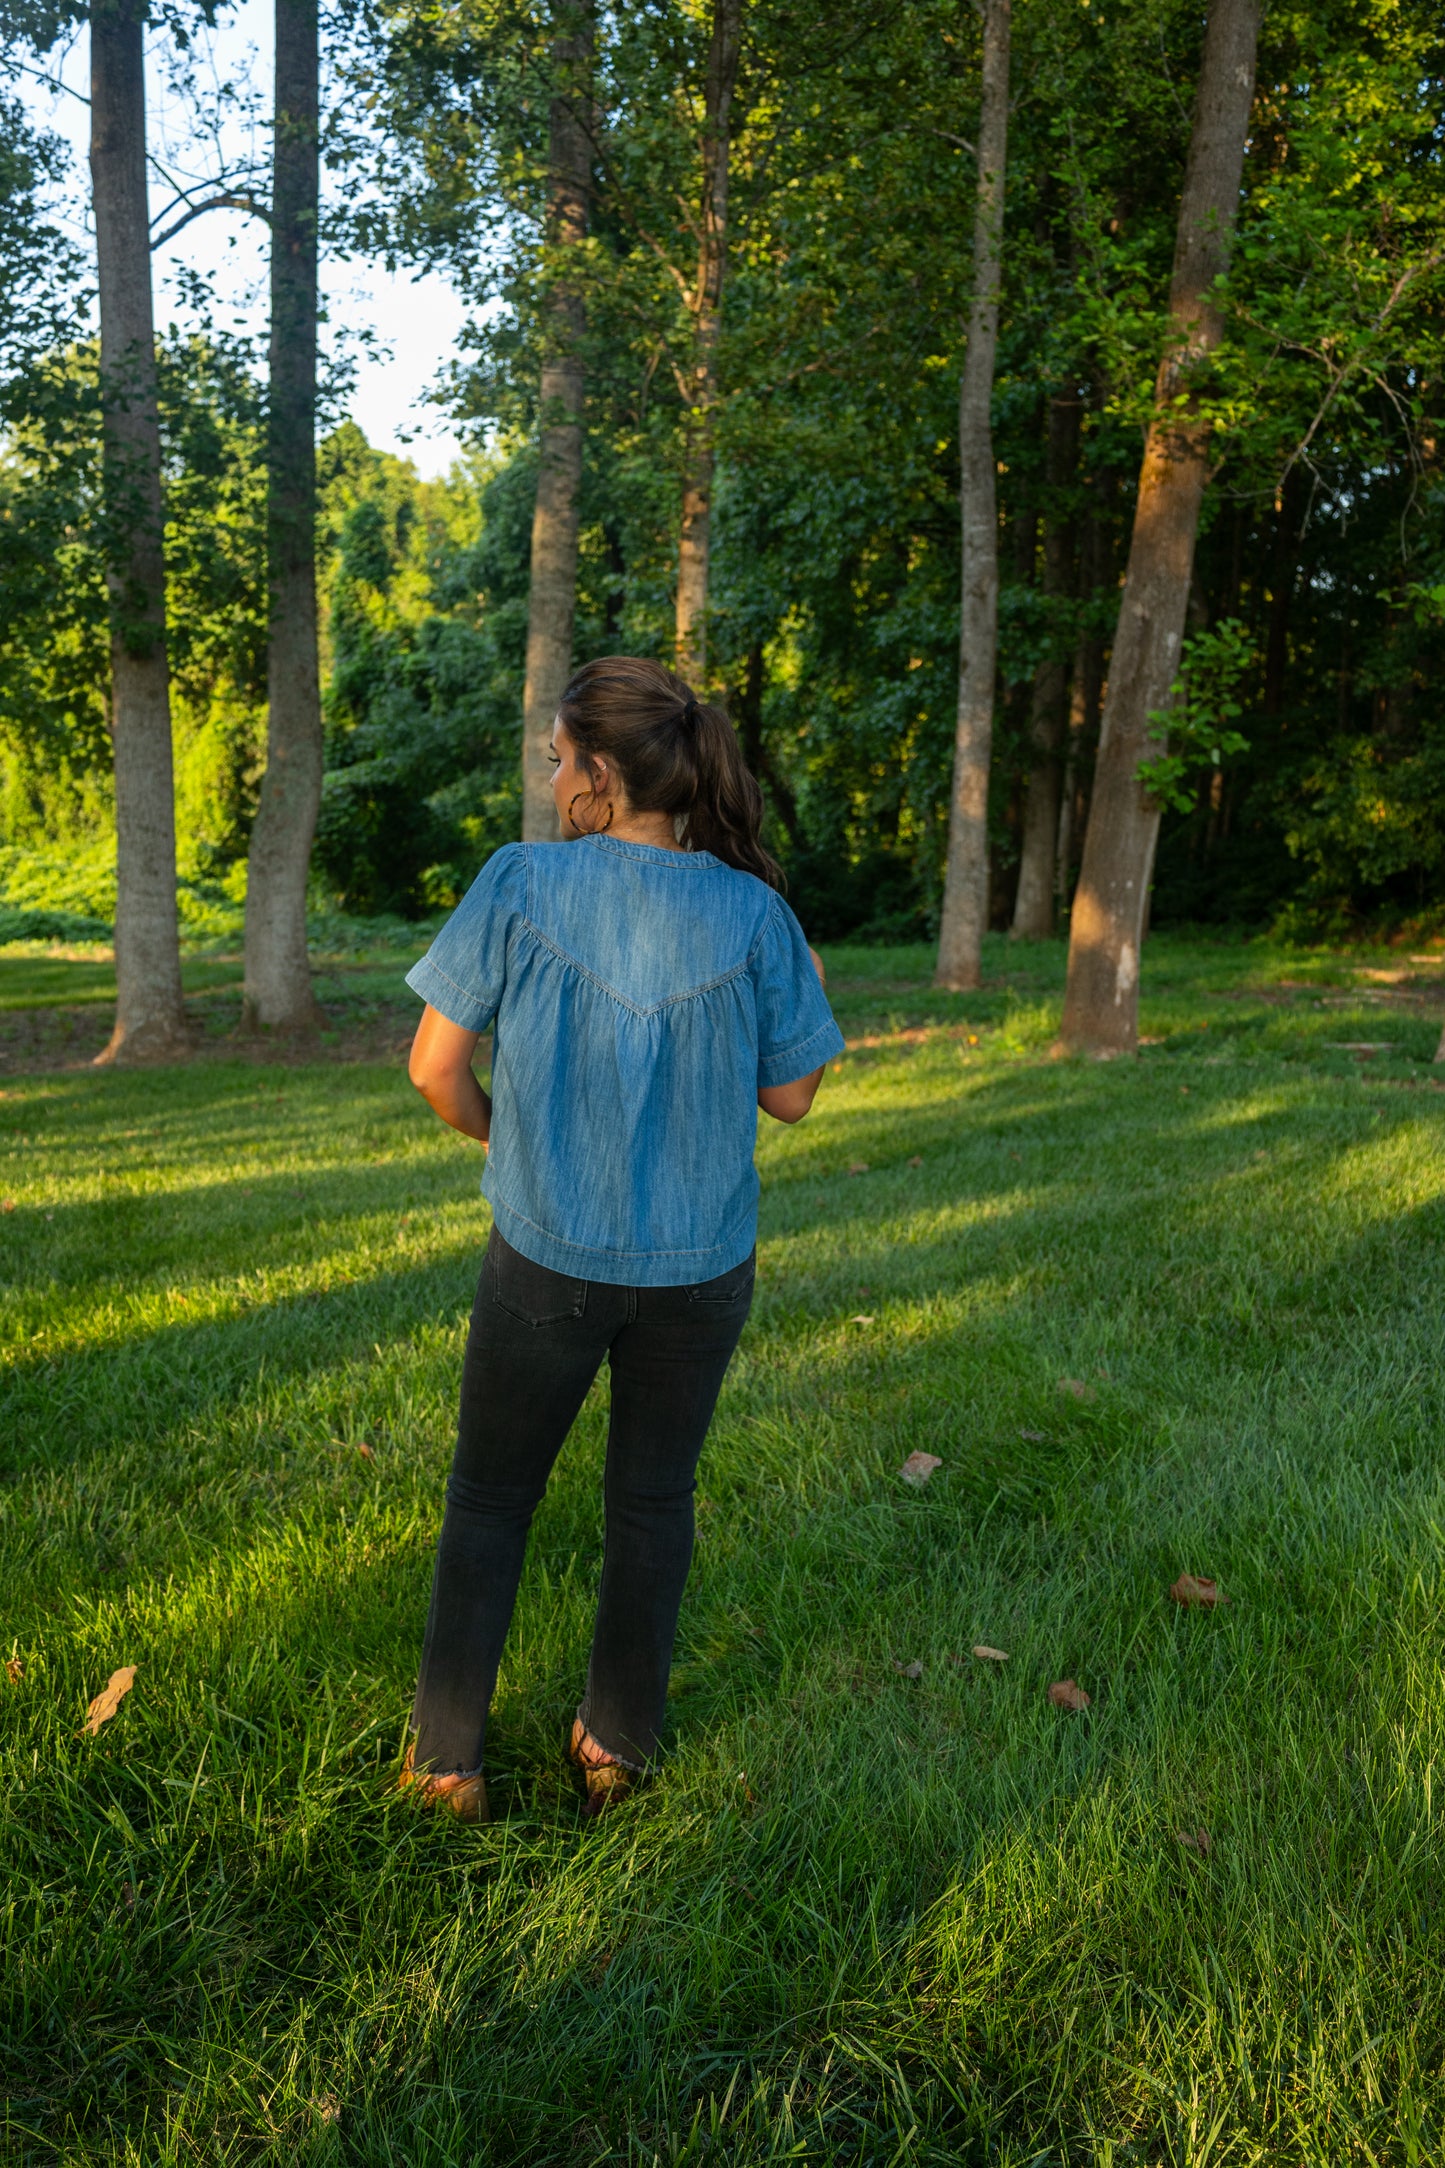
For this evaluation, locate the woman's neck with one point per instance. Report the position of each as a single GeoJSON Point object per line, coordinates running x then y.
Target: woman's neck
{"type": "Point", "coordinates": [653, 828]}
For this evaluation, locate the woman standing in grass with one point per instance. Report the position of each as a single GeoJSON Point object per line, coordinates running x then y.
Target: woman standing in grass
{"type": "Point", "coordinates": [649, 989]}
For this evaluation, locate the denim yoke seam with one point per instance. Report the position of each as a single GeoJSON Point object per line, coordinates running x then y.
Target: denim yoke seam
{"type": "Point", "coordinates": [656, 1008]}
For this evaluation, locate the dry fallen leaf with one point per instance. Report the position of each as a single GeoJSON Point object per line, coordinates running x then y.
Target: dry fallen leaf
{"type": "Point", "coordinates": [8, 1205]}
{"type": "Point", "coordinates": [1064, 1694]}
{"type": "Point", "coordinates": [367, 1452]}
{"type": "Point", "coordinates": [908, 1671]}
{"type": "Point", "coordinates": [916, 1161]}
{"type": "Point", "coordinates": [987, 1655]}
{"type": "Point", "coordinates": [104, 1706]}
{"type": "Point", "coordinates": [1077, 1387]}
{"type": "Point", "coordinates": [918, 1468]}
{"type": "Point", "coordinates": [862, 1319]}
{"type": "Point", "coordinates": [1034, 1437]}
{"type": "Point", "coordinates": [14, 1670]}
{"type": "Point", "coordinates": [1191, 1589]}
{"type": "Point", "coordinates": [1196, 1840]}
{"type": "Point", "coordinates": [858, 1166]}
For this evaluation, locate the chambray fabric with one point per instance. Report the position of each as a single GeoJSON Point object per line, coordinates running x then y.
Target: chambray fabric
{"type": "Point", "coordinates": [638, 998]}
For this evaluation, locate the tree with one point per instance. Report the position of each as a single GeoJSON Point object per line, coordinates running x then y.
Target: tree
{"type": "Point", "coordinates": [1034, 902]}
{"type": "Point", "coordinates": [149, 1016]}
{"type": "Point", "coordinates": [704, 305]}
{"type": "Point", "coordinates": [552, 597]}
{"type": "Point", "coordinates": [965, 892]}
{"type": "Point", "coordinates": [278, 988]}
{"type": "Point", "coordinates": [1101, 1003]}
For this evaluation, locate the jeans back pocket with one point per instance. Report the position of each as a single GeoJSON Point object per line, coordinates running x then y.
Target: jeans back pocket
{"type": "Point", "coordinates": [533, 1294]}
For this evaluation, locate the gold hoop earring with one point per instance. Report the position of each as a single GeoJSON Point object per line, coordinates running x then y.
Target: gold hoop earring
{"type": "Point", "coordinates": [578, 830]}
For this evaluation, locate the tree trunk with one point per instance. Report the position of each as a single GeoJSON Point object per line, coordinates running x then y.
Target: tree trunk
{"type": "Point", "coordinates": [278, 972]}
{"type": "Point", "coordinates": [1281, 594]}
{"type": "Point", "coordinates": [699, 455]}
{"type": "Point", "coordinates": [1101, 1004]}
{"type": "Point", "coordinates": [748, 711]}
{"type": "Point", "coordinates": [552, 596]}
{"type": "Point", "coordinates": [965, 882]}
{"type": "Point", "coordinates": [149, 1018]}
{"type": "Point", "coordinates": [1034, 903]}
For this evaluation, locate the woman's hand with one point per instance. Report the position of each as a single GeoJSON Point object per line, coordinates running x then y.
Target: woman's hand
{"type": "Point", "coordinates": [441, 1069]}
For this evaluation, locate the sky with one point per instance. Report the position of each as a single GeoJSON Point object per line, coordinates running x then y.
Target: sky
{"type": "Point", "coordinates": [415, 322]}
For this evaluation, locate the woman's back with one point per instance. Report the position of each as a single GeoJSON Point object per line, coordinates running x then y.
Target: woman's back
{"type": "Point", "coordinates": [640, 998]}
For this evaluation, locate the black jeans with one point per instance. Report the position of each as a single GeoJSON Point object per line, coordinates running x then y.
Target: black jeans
{"type": "Point", "coordinates": [537, 1341]}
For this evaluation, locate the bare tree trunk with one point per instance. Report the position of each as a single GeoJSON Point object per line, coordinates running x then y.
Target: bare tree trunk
{"type": "Point", "coordinates": [965, 881]}
{"type": "Point", "coordinates": [699, 452]}
{"type": "Point", "coordinates": [1101, 1004]}
{"type": "Point", "coordinates": [552, 596]}
{"type": "Point", "coordinates": [1034, 902]}
{"type": "Point", "coordinates": [1085, 697]}
{"type": "Point", "coordinates": [748, 715]}
{"type": "Point", "coordinates": [149, 1018]}
{"type": "Point", "coordinates": [278, 989]}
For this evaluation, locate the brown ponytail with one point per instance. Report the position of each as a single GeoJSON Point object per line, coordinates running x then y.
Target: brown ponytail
{"type": "Point", "coordinates": [675, 754]}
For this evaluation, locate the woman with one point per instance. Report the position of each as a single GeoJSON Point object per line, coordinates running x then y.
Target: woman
{"type": "Point", "coordinates": [648, 990]}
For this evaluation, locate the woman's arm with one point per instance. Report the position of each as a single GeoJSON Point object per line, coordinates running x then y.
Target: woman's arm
{"type": "Point", "coordinates": [790, 1102]}
{"type": "Point", "coordinates": [441, 1069]}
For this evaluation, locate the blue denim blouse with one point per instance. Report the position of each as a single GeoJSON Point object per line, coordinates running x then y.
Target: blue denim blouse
{"type": "Point", "coordinates": [640, 998]}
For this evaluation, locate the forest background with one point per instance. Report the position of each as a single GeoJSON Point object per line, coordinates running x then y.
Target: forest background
{"type": "Point", "coordinates": [1309, 788]}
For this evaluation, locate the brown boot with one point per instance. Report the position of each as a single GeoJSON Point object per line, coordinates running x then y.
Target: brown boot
{"type": "Point", "coordinates": [465, 1796]}
{"type": "Point", "coordinates": [608, 1780]}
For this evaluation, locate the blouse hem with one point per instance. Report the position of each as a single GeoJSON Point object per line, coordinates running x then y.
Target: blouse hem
{"type": "Point", "coordinates": [625, 1268]}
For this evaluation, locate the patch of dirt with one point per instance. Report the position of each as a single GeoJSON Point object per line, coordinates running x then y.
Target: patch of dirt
{"type": "Point", "coordinates": [40, 1041]}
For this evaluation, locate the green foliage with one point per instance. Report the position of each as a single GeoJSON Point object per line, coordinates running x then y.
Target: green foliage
{"type": "Point", "coordinates": [1205, 701]}
{"type": "Point", "coordinates": [427, 623]}
{"type": "Point", "coordinates": [1316, 629]}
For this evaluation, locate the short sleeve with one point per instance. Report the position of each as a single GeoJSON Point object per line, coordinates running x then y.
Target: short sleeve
{"type": "Point", "coordinates": [796, 1031]}
{"type": "Point", "coordinates": [464, 971]}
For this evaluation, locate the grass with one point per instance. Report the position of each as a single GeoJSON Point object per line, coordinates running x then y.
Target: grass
{"type": "Point", "coordinates": [860, 1917]}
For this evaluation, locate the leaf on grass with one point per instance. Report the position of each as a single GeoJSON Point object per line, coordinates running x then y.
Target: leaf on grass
{"type": "Point", "coordinates": [916, 1161]}
{"type": "Point", "coordinates": [858, 1166]}
{"type": "Point", "coordinates": [1196, 1840]}
{"type": "Point", "coordinates": [104, 1706]}
{"type": "Point", "coordinates": [8, 1205]}
{"type": "Point", "coordinates": [14, 1670]}
{"type": "Point", "coordinates": [987, 1655]}
{"type": "Point", "coordinates": [367, 1452]}
{"type": "Point", "coordinates": [1077, 1388]}
{"type": "Point", "coordinates": [862, 1318]}
{"type": "Point", "coordinates": [1064, 1694]}
{"type": "Point", "coordinates": [918, 1468]}
{"type": "Point", "coordinates": [1192, 1589]}
{"type": "Point", "coordinates": [908, 1671]}
{"type": "Point", "coordinates": [1034, 1437]}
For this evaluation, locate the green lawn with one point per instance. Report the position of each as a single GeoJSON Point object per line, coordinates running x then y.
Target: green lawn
{"type": "Point", "coordinates": [861, 1917]}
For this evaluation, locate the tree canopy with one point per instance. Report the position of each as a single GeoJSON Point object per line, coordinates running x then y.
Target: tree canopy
{"type": "Point", "coordinates": [1305, 776]}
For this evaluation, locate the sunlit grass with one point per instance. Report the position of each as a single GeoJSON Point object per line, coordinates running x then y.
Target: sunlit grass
{"type": "Point", "coordinates": [859, 1917]}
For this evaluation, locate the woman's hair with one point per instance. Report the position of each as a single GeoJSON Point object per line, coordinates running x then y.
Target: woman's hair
{"type": "Point", "coordinates": [674, 753]}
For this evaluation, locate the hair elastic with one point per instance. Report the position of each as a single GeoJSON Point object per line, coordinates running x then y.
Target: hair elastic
{"type": "Point", "coordinates": [689, 714]}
